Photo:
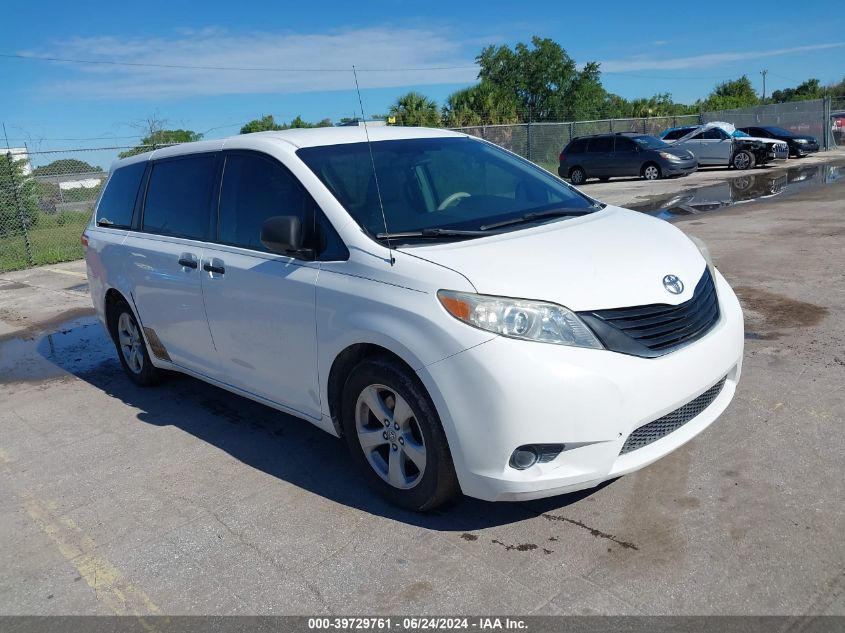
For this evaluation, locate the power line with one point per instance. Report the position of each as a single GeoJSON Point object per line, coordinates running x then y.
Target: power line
{"type": "Point", "coordinates": [107, 62]}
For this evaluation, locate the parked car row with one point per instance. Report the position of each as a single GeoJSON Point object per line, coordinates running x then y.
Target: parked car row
{"type": "Point", "coordinates": [678, 151]}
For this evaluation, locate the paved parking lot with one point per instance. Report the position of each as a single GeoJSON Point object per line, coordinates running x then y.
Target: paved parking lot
{"type": "Point", "coordinates": [187, 499]}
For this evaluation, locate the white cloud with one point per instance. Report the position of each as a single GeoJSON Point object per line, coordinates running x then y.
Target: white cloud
{"type": "Point", "coordinates": [369, 48]}
{"type": "Point", "coordinates": [704, 61]}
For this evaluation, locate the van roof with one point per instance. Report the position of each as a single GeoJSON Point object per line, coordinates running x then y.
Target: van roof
{"type": "Point", "coordinates": [301, 137]}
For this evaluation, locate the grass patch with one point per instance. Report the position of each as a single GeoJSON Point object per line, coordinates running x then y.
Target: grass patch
{"type": "Point", "coordinates": [55, 238]}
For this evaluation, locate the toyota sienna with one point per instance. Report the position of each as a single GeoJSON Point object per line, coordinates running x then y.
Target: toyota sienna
{"type": "Point", "coordinates": [465, 320]}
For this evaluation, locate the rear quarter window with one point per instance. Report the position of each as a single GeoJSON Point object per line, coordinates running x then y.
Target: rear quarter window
{"type": "Point", "coordinates": [578, 146]}
{"type": "Point", "coordinates": [118, 201]}
{"type": "Point", "coordinates": [601, 144]}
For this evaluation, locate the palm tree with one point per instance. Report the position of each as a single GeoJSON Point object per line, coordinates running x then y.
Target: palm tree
{"type": "Point", "coordinates": [414, 108]}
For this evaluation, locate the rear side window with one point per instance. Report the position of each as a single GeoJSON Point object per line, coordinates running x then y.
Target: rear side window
{"type": "Point", "coordinates": [179, 197]}
{"type": "Point", "coordinates": [601, 144]}
{"type": "Point", "coordinates": [578, 146]}
{"type": "Point", "coordinates": [674, 135]}
{"type": "Point", "coordinates": [118, 201]}
{"type": "Point", "coordinates": [254, 189]}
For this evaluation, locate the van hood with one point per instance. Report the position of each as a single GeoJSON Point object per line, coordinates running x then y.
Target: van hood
{"type": "Point", "coordinates": [612, 258]}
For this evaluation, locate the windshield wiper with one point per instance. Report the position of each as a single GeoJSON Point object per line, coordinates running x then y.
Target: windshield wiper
{"type": "Point", "coordinates": [537, 215]}
{"type": "Point", "coordinates": [430, 233]}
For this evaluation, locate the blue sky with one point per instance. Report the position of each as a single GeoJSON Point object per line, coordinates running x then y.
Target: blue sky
{"type": "Point", "coordinates": [678, 48]}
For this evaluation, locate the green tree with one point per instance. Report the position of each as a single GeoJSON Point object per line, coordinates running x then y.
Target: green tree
{"type": "Point", "coordinates": [268, 124]}
{"type": "Point", "coordinates": [810, 89]}
{"type": "Point", "coordinates": [265, 124]}
{"type": "Point", "coordinates": [65, 166]}
{"type": "Point", "coordinates": [159, 138]}
{"type": "Point", "coordinates": [586, 98]}
{"type": "Point", "coordinates": [539, 78]}
{"type": "Point", "coordinates": [414, 108]}
{"type": "Point", "coordinates": [735, 93]}
{"type": "Point", "coordinates": [481, 104]}
{"type": "Point", "coordinates": [18, 196]}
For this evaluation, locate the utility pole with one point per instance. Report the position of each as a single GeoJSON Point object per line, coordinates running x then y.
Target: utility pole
{"type": "Point", "coordinates": [764, 72]}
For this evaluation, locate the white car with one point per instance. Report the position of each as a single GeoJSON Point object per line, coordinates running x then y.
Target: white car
{"type": "Point", "coordinates": [719, 143]}
{"type": "Point", "coordinates": [466, 320]}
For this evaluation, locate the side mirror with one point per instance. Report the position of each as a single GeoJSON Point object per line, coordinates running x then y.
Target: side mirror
{"type": "Point", "coordinates": [282, 234]}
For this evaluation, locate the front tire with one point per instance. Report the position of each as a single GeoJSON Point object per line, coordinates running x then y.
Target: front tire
{"type": "Point", "coordinates": [131, 348]}
{"type": "Point", "coordinates": [395, 436]}
{"type": "Point", "coordinates": [743, 159]}
{"type": "Point", "coordinates": [651, 172]}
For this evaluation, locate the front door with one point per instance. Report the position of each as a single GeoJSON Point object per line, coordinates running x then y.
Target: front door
{"type": "Point", "coordinates": [261, 306]}
{"type": "Point", "coordinates": [715, 146]}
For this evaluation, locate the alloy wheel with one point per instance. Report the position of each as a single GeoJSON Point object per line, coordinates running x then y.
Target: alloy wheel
{"type": "Point", "coordinates": [131, 342]}
{"type": "Point", "coordinates": [390, 436]}
{"type": "Point", "coordinates": [651, 173]}
{"type": "Point", "coordinates": [742, 161]}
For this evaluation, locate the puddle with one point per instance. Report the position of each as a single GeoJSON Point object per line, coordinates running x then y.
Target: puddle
{"type": "Point", "coordinates": [750, 186]}
{"type": "Point", "coordinates": [78, 346]}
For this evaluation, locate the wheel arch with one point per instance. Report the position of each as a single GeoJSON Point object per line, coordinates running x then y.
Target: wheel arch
{"type": "Point", "coordinates": [344, 362]}
{"type": "Point", "coordinates": [648, 163]}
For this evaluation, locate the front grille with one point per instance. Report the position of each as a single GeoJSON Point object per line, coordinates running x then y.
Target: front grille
{"type": "Point", "coordinates": [670, 422]}
{"type": "Point", "coordinates": [657, 329]}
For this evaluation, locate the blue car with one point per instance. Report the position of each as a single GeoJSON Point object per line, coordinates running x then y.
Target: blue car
{"type": "Point", "coordinates": [605, 156]}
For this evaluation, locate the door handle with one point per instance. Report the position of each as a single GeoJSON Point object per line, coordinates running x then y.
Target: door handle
{"type": "Point", "coordinates": [220, 270]}
{"type": "Point", "coordinates": [187, 261]}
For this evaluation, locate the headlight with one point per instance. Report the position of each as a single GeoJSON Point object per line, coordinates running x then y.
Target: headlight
{"type": "Point", "coordinates": [801, 140]}
{"type": "Point", "coordinates": [668, 156]}
{"type": "Point", "coordinates": [519, 318]}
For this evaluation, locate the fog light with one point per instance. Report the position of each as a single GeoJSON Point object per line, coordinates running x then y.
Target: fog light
{"type": "Point", "coordinates": [528, 455]}
{"type": "Point", "coordinates": [524, 457]}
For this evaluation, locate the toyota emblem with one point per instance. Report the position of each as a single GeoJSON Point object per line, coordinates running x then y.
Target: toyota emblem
{"type": "Point", "coordinates": [673, 284]}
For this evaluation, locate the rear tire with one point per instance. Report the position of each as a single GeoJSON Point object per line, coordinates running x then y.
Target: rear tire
{"type": "Point", "coordinates": [131, 347]}
{"type": "Point", "coordinates": [395, 436]}
{"type": "Point", "coordinates": [577, 176]}
{"type": "Point", "coordinates": [743, 159]}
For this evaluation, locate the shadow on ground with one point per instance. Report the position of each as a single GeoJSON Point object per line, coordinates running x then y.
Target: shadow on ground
{"type": "Point", "coordinates": [263, 438]}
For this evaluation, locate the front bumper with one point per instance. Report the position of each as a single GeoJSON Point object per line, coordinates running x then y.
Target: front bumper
{"type": "Point", "coordinates": [802, 149]}
{"type": "Point", "coordinates": [506, 393]}
{"type": "Point", "coordinates": [779, 152]}
{"type": "Point", "coordinates": [679, 168]}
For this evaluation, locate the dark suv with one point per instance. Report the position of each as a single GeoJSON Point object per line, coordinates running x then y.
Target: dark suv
{"type": "Point", "coordinates": [604, 156]}
{"type": "Point", "coordinates": [800, 145]}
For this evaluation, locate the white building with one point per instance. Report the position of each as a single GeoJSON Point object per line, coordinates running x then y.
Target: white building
{"type": "Point", "coordinates": [19, 154]}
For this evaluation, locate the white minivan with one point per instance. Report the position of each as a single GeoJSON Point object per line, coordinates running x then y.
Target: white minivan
{"type": "Point", "coordinates": [466, 320]}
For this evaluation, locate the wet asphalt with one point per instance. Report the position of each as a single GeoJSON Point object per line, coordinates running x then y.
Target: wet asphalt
{"type": "Point", "coordinates": [187, 499]}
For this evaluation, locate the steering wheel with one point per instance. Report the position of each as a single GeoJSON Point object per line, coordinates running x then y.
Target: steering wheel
{"type": "Point", "coordinates": [449, 201]}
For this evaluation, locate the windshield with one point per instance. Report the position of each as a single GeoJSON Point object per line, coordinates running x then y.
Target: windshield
{"type": "Point", "coordinates": [649, 142]}
{"type": "Point", "coordinates": [446, 183]}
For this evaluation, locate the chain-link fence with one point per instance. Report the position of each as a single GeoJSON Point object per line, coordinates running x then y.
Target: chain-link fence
{"type": "Point", "coordinates": [811, 117]}
{"type": "Point", "coordinates": [543, 142]}
{"type": "Point", "coordinates": [46, 199]}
